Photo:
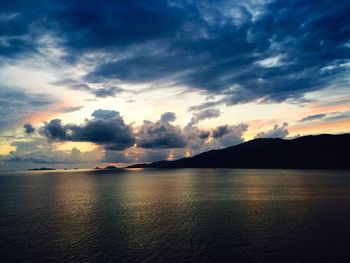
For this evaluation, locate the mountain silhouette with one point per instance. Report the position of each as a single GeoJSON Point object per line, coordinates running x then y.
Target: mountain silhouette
{"type": "Point", "coordinates": [308, 152]}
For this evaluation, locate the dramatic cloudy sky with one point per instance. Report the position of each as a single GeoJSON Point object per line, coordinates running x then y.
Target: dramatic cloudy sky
{"type": "Point", "coordinates": [86, 83]}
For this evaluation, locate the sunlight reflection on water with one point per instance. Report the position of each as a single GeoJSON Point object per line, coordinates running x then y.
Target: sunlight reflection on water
{"type": "Point", "coordinates": [211, 215]}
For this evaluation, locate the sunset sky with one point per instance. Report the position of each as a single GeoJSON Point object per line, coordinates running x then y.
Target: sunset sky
{"type": "Point", "coordinates": [86, 83]}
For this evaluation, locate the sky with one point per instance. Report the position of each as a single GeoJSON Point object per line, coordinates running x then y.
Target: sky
{"type": "Point", "coordinates": [87, 83]}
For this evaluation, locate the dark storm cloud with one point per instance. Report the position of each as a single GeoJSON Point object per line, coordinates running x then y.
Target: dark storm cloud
{"type": "Point", "coordinates": [160, 135]}
{"type": "Point", "coordinates": [203, 134]}
{"type": "Point", "coordinates": [100, 24]}
{"type": "Point", "coordinates": [202, 115]}
{"type": "Point", "coordinates": [111, 131]}
{"type": "Point", "coordinates": [278, 55]}
{"type": "Point", "coordinates": [252, 50]}
{"type": "Point", "coordinates": [55, 131]}
{"type": "Point", "coordinates": [15, 30]}
{"type": "Point", "coordinates": [28, 128]}
{"type": "Point", "coordinates": [106, 128]}
{"type": "Point", "coordinates": [220, 131]}
{"type": "Point", "coordinates": [276, 132]}
{"type": "Point", "coordinates": [220, 137]}
{"type": "Point", "coordinates": [227, 135]}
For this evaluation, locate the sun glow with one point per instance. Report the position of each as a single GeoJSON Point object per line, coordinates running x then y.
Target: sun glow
{"type": "Point", "coordinates": [170, 156]}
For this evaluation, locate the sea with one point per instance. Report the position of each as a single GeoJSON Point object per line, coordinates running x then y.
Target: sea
{"type": "Point", "coordinates": [183, 215]}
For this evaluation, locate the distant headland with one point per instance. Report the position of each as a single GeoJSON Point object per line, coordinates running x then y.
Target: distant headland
{"type": "Point", "coordinates": [110, 167]}
{"type": "Point", "coordinates": [42, 169]}
{"type": "Point", "coordinates": [307, 152]}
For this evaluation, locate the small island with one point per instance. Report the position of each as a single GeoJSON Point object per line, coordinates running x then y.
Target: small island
{"type": "Point", "coordinates": [110, 167]}
{"type": "Point", "coordinates": [42, 169]}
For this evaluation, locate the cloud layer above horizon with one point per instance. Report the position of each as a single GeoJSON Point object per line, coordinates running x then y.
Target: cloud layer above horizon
{"type": "Point", "coordinates": [175, 69]}
{"type": "Point", "coordinates": [254, 50]}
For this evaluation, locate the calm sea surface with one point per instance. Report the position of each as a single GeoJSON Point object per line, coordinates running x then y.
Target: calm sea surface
{"type": "Point", "coordinates": [188, 215]}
